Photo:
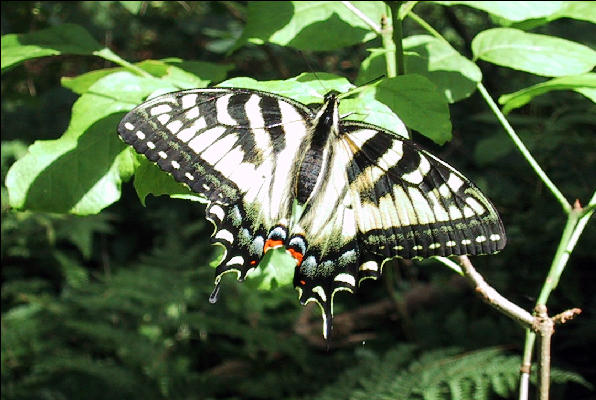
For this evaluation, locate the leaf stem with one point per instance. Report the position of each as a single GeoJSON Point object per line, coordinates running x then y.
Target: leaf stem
{"type": "Point", "coordinates": [427, 27]}
{"type": "Point", "coordinates": [523, 150]}
{"type": "Point", "coordinates": [397, 35]}
{"type": "Point", "coordinates": [576, 222]}
{"type": "Point", "coordinates": [111, 56]}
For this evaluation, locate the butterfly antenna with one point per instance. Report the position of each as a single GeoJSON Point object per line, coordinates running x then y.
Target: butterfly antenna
{"type": "Point", "coordinates": [312, 70]}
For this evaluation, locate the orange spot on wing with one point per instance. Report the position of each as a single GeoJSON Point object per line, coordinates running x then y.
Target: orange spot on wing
{"type": "Point", "coordinates": [253, 262]}
{"type": "Point", "coordinates": [302, 283]}
{"type": "Point", "coordinates": [271, 244]}
{"type": "Point", "coordinates": [297, 255]}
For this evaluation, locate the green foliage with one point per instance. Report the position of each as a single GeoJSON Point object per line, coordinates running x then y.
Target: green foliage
{"type": "Point", "coordinates": [405, 373]}
{"type": "Point", "coordinates": [104, 299]}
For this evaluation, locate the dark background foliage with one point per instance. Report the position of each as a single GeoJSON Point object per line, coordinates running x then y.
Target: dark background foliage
{"type": "Point", "coordinates": [115, 306]}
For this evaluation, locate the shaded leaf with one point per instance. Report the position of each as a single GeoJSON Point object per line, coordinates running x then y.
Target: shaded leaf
{"type": "Point", "coordinates": [299, 24]}
{"type": "Point", "coordinates": [580, 10]}
{"type": "Point", "coordinates": [82, 171]}
{"type": "Point", "coordinates": [417, 102]}
{"type": "Point", "coordinates": [132, 6]}
{"type": "Point", "coordinates": [518, 99]}
{"type": "Point", "coordinates": [452, 73]}
{"type": "Point", "coordinates": [512, 10]}
{"type": "Point", "coordinates": [538, 54]}
{"type": "Point", "coordinates": [62, 39]}
{"type": "Point", "coordinates": [149, 179]}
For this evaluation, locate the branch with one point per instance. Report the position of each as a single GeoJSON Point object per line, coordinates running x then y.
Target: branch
{"type": "Point", "coordinates": [492, 297]}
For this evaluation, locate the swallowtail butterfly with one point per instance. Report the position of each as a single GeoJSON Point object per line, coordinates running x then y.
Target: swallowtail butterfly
{"type": "Point", "coordinates": [340, 196]}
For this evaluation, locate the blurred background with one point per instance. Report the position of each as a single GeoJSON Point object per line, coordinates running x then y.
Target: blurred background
{"type": "Point", "coordinates": [116, 305]}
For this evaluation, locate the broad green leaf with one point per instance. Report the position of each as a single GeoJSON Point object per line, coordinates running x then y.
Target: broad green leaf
{"type": "Point", "coordinates": [589, 93]}
{"type": "Point", "coordinates": [452, 73]}
{"type": "Point", "coordinates": [62, 39]}
{"type": "Point", "coordinates": [66, 175]}
{"type": "Point", "coordinates": [417, 102]}
{"type": "Point", "coordinates": [204, 70]}
{"type": "Point", "coordinates": [538, 54]}
{"type": "Point", "coordinates": [310, 25]}
{"type": "Point", "coordinates": [181, 74]}
{"type": "Point", "coordinates": [275, 269]}
{"type": "Point", "coordinates": [81, 172]}
{"type": "Point", "coordinates": [149, 179]}
{"type": "Point", "coordinates": [81, 84]}
{"type": "Point", "coordinates": [581, 10]}
{"type": "Point", "coordinates": [306, 88]}
{"type": "Point", "coordinates": [132, 6]}
{"type": "Point", "coordinates": [520, 98]}
{"type": "Point", "coordinates": [512, 10]}
{"type": "Point", "coordinates": [185, 74]}
{"type": "Point", "coordinates": [373, 112]}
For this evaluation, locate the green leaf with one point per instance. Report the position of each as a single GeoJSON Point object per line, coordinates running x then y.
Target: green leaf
{"type": "Point", "coordinates": [538, 54]}
{"type": "Point", "coordinates": [306, 88]}
{"type": "Point", "coordinates": [181, 74]}
{"type": "Point", "coordinates": [520, 98]}
{"type": "Point", "coordinates": [185, 74]}
{"type": "Point", "coordinates": [81, 172]}
{"type": "Point", "coordinates": [580, 10]}
{"type": "Point", "coordinates": [417, 102]}
{"type": "Point", "coordinates": [204, 70]}
{"type": "Point", "coordinates": [275, 269]}
{"type": "Point", "coordinates": [589, 93]}
{"type": "Point", "coordinates": [372, 111]}
{"type": "Point", "coordinates": [444, 66]}
{"type": "Point", "coordinates": [133, 7]}
{"type": "Point", "coordinates": [149, 179]}
{"type": "Point", "coordinates": [81, 84]}
{"type": "Point", "coordinates": [309, 25]}
{"type": "Point", "coordinates": [512, 10]}
{"type": "Point", "coordinates": [452, 73]}
{"type": "Point", "coordinates": [62, 39]}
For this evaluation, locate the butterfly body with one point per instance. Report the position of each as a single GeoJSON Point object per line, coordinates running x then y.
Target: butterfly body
{"type": "Point", "coordinates": [340, 196]}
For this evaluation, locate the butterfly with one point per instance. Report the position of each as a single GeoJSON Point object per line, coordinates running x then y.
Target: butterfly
{"type": "Point", "coordinates": [339, 196]}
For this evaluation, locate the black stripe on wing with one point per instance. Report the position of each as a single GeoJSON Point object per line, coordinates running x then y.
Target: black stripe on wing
{"type": "Point", "coordinates": [422, 206]}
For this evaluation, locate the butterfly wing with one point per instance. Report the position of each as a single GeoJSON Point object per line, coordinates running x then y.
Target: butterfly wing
{"type": "Point", "coordinates": [236, 148]}
{"type": "Point", "coordinates": [410, 204]}
{"type": "Point", "coordinates": [386, 197]}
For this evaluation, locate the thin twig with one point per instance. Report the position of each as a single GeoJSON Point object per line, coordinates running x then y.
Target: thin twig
{"type": "Point", "coordinates": [545, 328]}
{"type": "Point", "coordinates": [492, 297]}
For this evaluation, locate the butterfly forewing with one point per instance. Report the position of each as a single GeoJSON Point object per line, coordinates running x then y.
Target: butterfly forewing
{"type": "Point", "coordinates": [410, 204]}
{"type": "Point", "coordinates": [365, 194]}
{"type": "Point", "coordinates": [236, 148]}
